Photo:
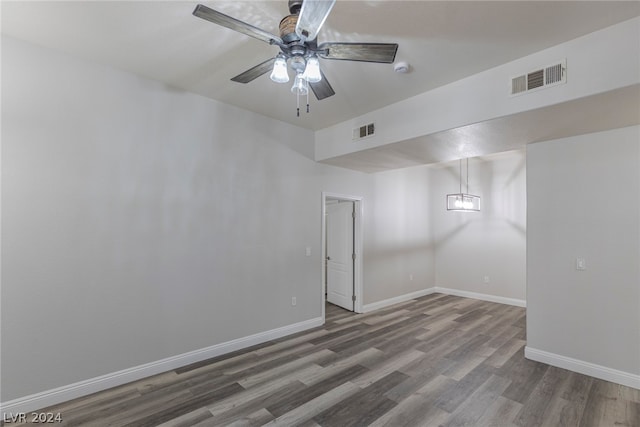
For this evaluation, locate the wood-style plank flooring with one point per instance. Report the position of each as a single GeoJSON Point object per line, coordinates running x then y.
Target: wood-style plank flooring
{"type": "Point", "coordinates": [435, 361]}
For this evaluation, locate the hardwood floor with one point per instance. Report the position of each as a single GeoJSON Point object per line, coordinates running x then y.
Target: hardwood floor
{"type": "Point", "coordinates": [435, 361]}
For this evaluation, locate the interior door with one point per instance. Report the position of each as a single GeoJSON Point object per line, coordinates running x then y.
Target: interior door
{"type": "Point", "coordinates": [340, 254]}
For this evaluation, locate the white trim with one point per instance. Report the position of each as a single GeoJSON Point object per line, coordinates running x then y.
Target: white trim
{"type": "Point", "coordinates": [396, 300]}
{"type": "Point", "coordinates": [86, 387]}
{"type": "Point", "coordinates": [358, 233]}
{"type": "Point", "coordinates": [483, 297]}
{"type": "Point", "coordinates": [582, 367]}
{"type": "Point", "coordinates": [447, 291]}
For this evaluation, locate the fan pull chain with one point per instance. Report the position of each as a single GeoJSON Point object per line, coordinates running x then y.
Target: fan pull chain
{"type": "Point", "coordinates": [307, 100]}
{"type": "Point", "coordinates": [298, 104]}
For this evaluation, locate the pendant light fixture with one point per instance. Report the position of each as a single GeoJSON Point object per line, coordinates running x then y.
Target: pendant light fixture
{"type": "Point", "coordinates": [463, 202]}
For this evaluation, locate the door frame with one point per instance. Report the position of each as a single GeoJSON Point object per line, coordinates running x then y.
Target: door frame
{"type": "Point", "coordinates": [357, 247]}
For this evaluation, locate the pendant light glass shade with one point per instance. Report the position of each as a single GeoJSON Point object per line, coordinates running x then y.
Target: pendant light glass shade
{"type": "Point", "coordinates": [300, 85]}
{"type": "Point", "coordinates": [312, 70]}
{"type": "Point", "coordinates": [463, 202]}
{"type": "Point", "coordinates": [279, 73]}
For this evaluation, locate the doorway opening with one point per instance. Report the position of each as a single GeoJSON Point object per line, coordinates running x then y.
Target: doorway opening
{"type": "Point", "coordinates": [342, 251]}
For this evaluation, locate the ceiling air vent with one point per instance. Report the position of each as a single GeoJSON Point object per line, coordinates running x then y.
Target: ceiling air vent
{"type": "Point", "coordinates": [364, 131]}
{"type": "Point", "coordinates": [541, 78]}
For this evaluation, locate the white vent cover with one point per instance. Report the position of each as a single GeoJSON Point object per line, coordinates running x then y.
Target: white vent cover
{"type": "Point", "coordinates": [544, 77]}
{"type": "Point", "coordinates": [364, 131]}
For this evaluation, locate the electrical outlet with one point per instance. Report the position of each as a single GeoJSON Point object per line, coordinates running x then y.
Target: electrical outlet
{"type": "Point", "coordinates": [293, 301]}
{"type": "Point", "coordinates": [581, 264]}
{"type": "Point", "coordinates": [410, 277]}
{"type": "Point", "coordinates": [486, 279]}
{"type": "Point", "coordinates": [308, 251]}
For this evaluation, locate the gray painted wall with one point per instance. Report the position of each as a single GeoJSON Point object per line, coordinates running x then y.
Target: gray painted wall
{"type": "Point", "coordinates": [398, 247]}
{"type": "Point", "coordinates": [492, 242]}
{"type": "Point", "coordinates": [140, 222]}
{"type": "Point", "coordinates": [137, 220]}
{"type": "Point", "coordinates": [583, 201]}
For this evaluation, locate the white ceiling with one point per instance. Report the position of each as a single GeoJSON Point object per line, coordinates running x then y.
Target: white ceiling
{"type": "Point", "coordinates": [577, 117]}
{"type": "Point", "coordinates": [443, 42]}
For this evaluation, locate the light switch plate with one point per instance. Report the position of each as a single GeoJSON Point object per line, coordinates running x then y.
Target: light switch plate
{"type": "Point", "coordinates": [581, 264]}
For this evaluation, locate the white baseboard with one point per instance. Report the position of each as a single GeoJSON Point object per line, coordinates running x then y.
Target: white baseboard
{"type": "Point", "coordinates": [396, 300]}
{"type": "Point", "coordinates": [447, 291]}
{"type": "Point", "coordinates": [582, 367]}
{"type": "Point", "coordinates": [483, 297]}
{"type": "Point", "coordinates": [86, 387]}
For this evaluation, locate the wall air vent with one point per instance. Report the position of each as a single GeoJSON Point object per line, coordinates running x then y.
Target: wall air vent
{"type": "Point", "coordinates": [535, 79]}
{"type": "Point", "coordinates": [364, 131]}
{"type": "Point", "coordinates": [554, 74]}
{"type": "Point", "coordinates": [541, 78]}
{"type": "Point", "coordinates": [518, 84]}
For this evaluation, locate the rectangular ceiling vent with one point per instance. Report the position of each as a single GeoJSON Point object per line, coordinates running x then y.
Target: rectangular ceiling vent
{"type": "Point", "coordinates": [364, 131]}
{"type": "Point", "coordinates": [551, 75]}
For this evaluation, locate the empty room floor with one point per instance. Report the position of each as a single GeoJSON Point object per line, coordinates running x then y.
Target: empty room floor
{"type": "Point", "coordinates": [436, 360]}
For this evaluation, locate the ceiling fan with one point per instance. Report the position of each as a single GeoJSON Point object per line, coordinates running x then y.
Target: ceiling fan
{"type": "Point", "coordinates": [299, 47]}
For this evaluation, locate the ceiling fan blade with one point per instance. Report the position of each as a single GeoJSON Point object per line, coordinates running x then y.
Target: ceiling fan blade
{"type": "Point", "coordinates": [312, 17]}
{"type": "Point", "coordinates": [255, 72]}
{"type": "Point", "coordinates": [322, 89]}
{"type": "Point", "coordinates": [204, 12]}
{"type": "Point", "coordinates": [366, 52]}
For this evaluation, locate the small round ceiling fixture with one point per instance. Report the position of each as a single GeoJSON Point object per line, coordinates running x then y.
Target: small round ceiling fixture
{"type": "Point", "coordinates": [401, 67]}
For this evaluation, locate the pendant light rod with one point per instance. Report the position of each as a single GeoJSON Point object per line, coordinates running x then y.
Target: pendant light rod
{"type": "Point", "coordinates": [460, 175]}
{"type": "Point", "coordinates": [467, 174]}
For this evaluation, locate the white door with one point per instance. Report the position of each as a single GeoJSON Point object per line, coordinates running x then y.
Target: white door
{"type": "Point", "coordinates": [340, 254]}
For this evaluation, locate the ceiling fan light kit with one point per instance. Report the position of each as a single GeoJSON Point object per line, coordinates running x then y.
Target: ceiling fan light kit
{"type": "Point", "coordinates": [300, 86]}
{"type": "Point", "coordinates": [280, 73]}
{"type": "Point", "coordinates": [312, 70]}
{"type": "Point", "coordinates": [299, 49]}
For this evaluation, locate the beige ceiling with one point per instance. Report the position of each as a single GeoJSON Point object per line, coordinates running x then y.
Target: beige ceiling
{"type": "Point", "coordinates": [443, 42]}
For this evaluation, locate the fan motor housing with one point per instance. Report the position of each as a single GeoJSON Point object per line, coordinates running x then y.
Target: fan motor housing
{"type": "Point", "coordinates": [295, 6]}
{"type": "Point", "coordinates": [288, 29]}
